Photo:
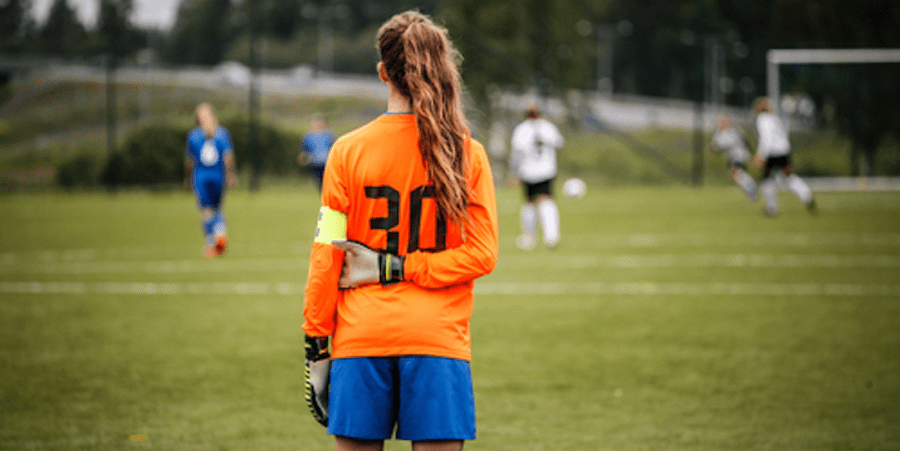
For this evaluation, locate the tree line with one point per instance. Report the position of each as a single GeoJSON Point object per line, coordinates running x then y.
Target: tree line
{"type": "Point", "coordinates": [650, 47]}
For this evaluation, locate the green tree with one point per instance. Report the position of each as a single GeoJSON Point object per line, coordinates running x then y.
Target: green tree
{"type": "Point", "coordinates": [524, 44]}
{"type": "Point", "coordinates": [202, 33]}
{"type": "Point", "coordinates": [63, 33]}
{"type": "Point", "coordinates": [116, 34]}
{"type": "Point", "coordinates": [15, 25]}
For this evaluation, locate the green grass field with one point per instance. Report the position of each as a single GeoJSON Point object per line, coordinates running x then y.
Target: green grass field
{"type": "Point", "coordinates": [669, 318]}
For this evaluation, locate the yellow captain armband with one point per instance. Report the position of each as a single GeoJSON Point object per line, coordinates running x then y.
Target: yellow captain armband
{"type": "Point", "coordinates": [332, 225]}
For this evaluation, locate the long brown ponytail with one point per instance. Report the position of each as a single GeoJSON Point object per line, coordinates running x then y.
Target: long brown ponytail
{"type": "Point", "coordinates": [421, 63]}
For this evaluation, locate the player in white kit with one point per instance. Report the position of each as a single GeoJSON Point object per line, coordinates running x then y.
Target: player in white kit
{"type": "Point", "coordinates": [728, 138]}
{"type": "Point", "coordinates": [533, 160]}
{"type": "Point", "coordinates": [773, 154]}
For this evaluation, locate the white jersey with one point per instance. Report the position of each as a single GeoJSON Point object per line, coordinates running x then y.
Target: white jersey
{"type": "Point", "coordinates": [533, 154]}
{"type": "Point", "coordinates": [731, 140]}
{"type": "Point", "coordinates": [773, 137]}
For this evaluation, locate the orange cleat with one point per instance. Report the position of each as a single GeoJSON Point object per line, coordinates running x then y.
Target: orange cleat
{"type": "Point", "coordinates": [210, 252]}
{"type": "Point", "coordinates": [221, 244]}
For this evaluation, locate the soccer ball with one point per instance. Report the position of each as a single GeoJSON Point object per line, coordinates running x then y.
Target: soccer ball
{"type": "Point", "coordinates": [574, 188]}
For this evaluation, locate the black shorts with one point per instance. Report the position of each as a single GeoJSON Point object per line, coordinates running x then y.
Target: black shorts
{"type": "Point", "coordinates": [783, 162]}
{"type": "Point", "coordinates": [534, 190]}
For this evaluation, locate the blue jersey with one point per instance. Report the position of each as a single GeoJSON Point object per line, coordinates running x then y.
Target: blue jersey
{"type": "Point", "coordinates": [318, 145]}
{"type": "Point", "coordinates": [209, 154]}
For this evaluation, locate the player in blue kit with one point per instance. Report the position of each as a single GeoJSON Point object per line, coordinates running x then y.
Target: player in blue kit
{"type": "Point", "coordinates": [316, 147]}
{"type": "Point", "coordinates": [209, 160]}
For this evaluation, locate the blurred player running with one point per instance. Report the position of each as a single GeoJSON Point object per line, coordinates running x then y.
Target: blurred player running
{"type": "Point", "coordinates": [209, 161]}
{"type": "Point", "coordinates": [773, 153]}
{"type": "Point", "coordinates": [533, 159]}
{"type": "Point", "coordinates": [410, 197]}
{"type": "Point", "coordinates": [314, 150]}
{"type": "Point", "coordinates": [728, 138]}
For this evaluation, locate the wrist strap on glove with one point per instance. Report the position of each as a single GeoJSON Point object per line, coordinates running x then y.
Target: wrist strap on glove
{"type": "Point", "coordinates": [390, 268]}
{"type": "Point", "coordinates": [316, 348]}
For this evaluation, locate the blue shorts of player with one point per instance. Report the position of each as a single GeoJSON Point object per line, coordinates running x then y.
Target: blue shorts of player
{"type": "Point", "coordinates": [428, 398]}
{"type": "Point", "coordinates": [208, 188]}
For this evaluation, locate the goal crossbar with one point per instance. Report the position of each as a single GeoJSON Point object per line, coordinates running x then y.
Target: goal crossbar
{"type": "Point", "coordinates": [777, 57]}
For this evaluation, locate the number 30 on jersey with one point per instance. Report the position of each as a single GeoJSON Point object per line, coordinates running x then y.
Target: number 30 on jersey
{"type": "Point", "coordinates": [392, 220]}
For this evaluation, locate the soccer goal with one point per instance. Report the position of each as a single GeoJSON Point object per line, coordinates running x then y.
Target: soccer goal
{"type": "Point", "coordinates": [775, 58]}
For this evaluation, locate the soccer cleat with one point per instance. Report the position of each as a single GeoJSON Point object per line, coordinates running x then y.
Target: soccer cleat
{"type": "Point", "coordinates": [811, 207]}
{"type": "Point", "coordinates": [752, 195]}
{"type": "Point", "coordinates": [525, 242]}
{"type": "Point", "coordinates": [210, 252]}
{"type": "Point", "coordinates": [221, 244]}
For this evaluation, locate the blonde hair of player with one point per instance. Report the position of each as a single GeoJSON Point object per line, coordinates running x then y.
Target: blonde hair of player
{"type": "Point", "coordinates": [420, 63]}
{"type": "Point", "coordinates": [724, 122]}
{"type": "Point", "coordinates": [762, 105]}
{"type": "Point", "coordinates": [206, 118]}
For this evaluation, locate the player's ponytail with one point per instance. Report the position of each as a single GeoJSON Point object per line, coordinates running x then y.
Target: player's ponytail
{"type": "Point", "coordinates": [421, 63]}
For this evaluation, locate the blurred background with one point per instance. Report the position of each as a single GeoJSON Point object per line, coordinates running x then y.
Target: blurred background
{"type": "Point", "coordinates": [682, 318]}
{"type": "Point", "coordinates": [100, 93]}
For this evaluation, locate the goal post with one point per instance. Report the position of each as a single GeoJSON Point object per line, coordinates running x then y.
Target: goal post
{"type": "Point", "coordinates": [777, 57]}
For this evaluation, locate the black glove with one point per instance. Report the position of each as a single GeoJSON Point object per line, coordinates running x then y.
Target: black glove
{"type": "Point", "coordinates": [318, 371]}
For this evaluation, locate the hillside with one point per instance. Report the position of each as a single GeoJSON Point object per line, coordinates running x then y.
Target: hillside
{"type": "Point", "coordinates": [52, 116]}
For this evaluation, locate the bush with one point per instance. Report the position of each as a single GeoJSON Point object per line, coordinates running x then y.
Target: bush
{"type": "Point", "coordinates": [154, 154]}
{"type": "Point", "coordinates": [277, 149]}
{"type": "Point", "coordinates": [79, 172]}
{"type": "Point", "coordinates": [149, 156]}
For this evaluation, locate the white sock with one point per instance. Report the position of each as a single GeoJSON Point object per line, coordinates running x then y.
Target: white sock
{"type": "Point", "coordinates": [745, 181]}
{"type": "Point", "coordinates": [528, 215]}
{"type": "Point", "coordinates": [800, 188]}
{"type": "Point", "coordinates": [769, 188]}
{"type": "Point", "coordinates": [549, 214]}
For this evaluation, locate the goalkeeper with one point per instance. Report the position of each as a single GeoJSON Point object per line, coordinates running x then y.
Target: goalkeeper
{"type": "Point", "coordinates": [410, 198]}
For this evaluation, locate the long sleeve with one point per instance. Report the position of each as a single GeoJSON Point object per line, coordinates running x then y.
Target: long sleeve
{"type": "Point", "coordinates": [477, 256]}
{"type": "Point", "coordinates": [322, 295]}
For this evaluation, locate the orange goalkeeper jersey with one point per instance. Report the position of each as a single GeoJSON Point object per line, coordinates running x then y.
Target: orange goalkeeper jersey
{"type": "Point", "coordinates": [376, 176]}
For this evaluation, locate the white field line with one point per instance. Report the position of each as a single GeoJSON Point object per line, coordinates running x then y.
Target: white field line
{"type": "Point", "coordinates": [708, 261]}
{"type": "Point", "coordinates": [299, 265]}
{"type": "Point", "coordinates": [768, 240]}
{"type": "Point", "coordinates": [242, 265]}
{"type": "Point", "coordinates": [152, 288]}
{"type": "Point", "coordinates": [266, 249]}
{"type": "Point", "coordinates": [691, 289]}
{"type": "Point", "coordinates": [300, 249]}
{"type": "Point", "coordinates": [481, 288]}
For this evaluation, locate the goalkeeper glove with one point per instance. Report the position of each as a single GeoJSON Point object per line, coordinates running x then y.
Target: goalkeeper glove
{"type": "Point", "coordinates": [363, 265]}
{"type": "Point", "coordinates": [318, 371]}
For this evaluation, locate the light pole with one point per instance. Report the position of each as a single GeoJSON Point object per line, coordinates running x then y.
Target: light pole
{"type": "Point", "coordinates": [253, 100]}
{"type": "Point", "coordinates": [606, 35]}
{"type": "Point", "coordinates": [604, 58]}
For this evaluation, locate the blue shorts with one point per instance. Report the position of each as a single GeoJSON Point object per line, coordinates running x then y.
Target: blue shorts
{"type": "Point", "coordinates": [208, 187]}
{"type": "Point", "coordinates": [428, 398]}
